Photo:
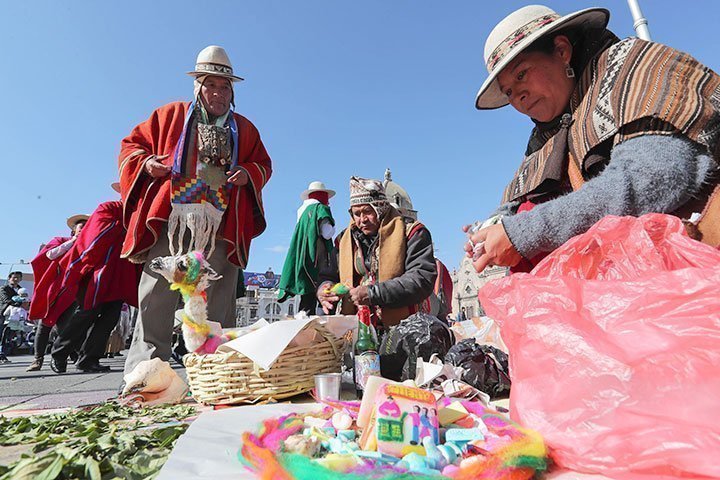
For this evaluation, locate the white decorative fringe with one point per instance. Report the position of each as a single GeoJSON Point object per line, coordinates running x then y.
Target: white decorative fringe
{"type": "Point", "coordinates": [202, 219]}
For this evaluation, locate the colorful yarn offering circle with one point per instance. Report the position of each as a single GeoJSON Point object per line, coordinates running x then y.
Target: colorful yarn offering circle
{"type": "Point", "coordinates": [515, 453]}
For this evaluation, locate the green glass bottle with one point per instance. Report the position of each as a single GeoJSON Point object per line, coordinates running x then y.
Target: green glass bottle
{"type": "Point", "coordinates": [367, 359]}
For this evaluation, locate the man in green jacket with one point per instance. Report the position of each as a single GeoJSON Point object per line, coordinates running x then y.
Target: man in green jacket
{"type": "Point", "coordinates": [311, 244]}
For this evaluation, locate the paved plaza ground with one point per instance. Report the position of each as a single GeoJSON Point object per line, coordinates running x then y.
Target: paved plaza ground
{"type": "Point", "coordinates": [21, 390]}
{"type": "Point", "coordinates": [24, 393]}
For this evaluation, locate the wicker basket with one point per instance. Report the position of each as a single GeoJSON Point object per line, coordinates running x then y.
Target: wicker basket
{"type": "Point", "coordinates": [232, 378]}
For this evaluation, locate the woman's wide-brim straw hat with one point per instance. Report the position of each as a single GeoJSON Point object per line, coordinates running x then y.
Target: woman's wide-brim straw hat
{"type": "Point", "coordinates": [213, 60]}
{"type": "Point", "coordinates": [81, 217]}
{"type": "Point", "coordinates": [316, 187]}
{"type": "Point", "coordinates": [518, 31]}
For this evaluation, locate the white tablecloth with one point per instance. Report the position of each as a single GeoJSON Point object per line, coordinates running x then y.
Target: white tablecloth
{"type": "Point", "coordinates": [208, 449]}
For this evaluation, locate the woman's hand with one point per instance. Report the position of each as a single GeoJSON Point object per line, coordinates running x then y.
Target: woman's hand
{"type": "Point", "coordinates": [156, 169]}
{"type": "Point", "coordinates": [238, 177]}
{"type": "Point", "coordinates": [496, 249]}
{"type": "Point", "coordinates": [326, 298]}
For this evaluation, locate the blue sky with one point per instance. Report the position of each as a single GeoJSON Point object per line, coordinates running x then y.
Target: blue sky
{"type": "Point", "coordinates": [336, 89]}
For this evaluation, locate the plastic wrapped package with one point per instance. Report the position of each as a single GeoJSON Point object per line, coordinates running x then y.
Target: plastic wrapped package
{"type": "Point", "coordinates": [418, 336]}
{"type": "Point", "coordinates": [483, 329]}
{"type": "Point", "coordinates": [614, 343]}
{"type": "Point", "coordinates": [486, 367]}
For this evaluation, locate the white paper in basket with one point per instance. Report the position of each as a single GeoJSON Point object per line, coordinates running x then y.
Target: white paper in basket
{"type": "Point", "coordinates": [264, 346]}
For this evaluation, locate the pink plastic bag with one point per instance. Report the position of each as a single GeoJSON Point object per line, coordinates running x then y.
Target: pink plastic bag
{"type": "Point", "coordinates": [614, 345]}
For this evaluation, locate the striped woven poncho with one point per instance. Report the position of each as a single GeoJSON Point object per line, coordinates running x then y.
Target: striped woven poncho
{"type": "Point", "coordinates": [146, 200]}
{"type": "Point", "coordinates": [629, 89]}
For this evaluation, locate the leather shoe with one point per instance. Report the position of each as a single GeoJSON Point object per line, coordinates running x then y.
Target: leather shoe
{"type": "Point", "coordinates": [93, 367]}
{"type": "Point", "coordinates": [58, 366]}
{"type": "Point", "coordinates": [35, 365]}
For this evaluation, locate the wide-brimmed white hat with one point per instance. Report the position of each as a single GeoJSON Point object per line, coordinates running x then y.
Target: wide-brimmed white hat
{"type": "Point", "coordinates": [81, 217]}
{"type": "Point", "coordinates": [316, 187]}
{"type": "Point", "coordinates": [518, 31]}
{"type": "Point", "coordinates": [213, 60]}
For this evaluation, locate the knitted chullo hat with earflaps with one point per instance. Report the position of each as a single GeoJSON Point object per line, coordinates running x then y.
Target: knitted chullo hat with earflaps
{"type": "Point", "coordinates": [367, 191]}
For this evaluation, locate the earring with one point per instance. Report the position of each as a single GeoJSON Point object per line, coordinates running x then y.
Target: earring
{"type": "Point", "coordinates": [569, 71]}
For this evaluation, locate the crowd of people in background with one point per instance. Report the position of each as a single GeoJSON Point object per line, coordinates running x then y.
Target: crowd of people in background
{"type": "Point", "coordinates": [14, 305]}
{"type": "Point", "coordinates": [83, 292]}
{"type": "Point", "coordinates": [18, 333]}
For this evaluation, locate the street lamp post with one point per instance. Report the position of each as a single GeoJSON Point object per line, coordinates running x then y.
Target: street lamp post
{"type": "Point", "coordinates": [640, 22]}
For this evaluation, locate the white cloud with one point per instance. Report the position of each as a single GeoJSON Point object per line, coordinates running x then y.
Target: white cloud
{"type": "Point", "coordinates": [277, 249]}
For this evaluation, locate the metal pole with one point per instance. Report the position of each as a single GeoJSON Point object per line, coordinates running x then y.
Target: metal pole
{"type": "Point", "coordinates": [640, 23]}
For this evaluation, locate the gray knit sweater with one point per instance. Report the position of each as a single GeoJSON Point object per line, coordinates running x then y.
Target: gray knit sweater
{"type": "Point", "coordinates": [650, 173]}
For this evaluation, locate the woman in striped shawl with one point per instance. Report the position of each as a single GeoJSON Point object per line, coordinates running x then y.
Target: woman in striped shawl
{"type": "Point", "coordinates": [636, 124]}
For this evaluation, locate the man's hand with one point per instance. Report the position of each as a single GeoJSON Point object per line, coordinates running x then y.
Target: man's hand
{"type": "Point", "coordinates": [156, 169]}
{"type": "Point", "coordinates": [238, 177]}
{"type": "Point", "coordinates": [326, 298]}
{"type": "Point", "coordinates": [497, 249]}
{"type": "Point", "coordinates": [360, 295]}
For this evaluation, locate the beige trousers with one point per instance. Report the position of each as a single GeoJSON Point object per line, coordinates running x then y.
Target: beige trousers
{"type": "Point", "coordinates": [157, 304]}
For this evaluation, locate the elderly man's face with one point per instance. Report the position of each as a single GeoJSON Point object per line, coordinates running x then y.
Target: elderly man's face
{"type": "Point", "coordinates": [216, 93]}
{"type": "Point", "coordinates": [365, 219]}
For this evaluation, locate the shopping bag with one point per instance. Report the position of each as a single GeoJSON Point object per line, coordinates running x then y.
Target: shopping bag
{"type": "Point", "coordinates": [614, 344]}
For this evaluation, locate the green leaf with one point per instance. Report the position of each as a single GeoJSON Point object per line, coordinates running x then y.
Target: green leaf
{"type": "Point", "coordinates": [119, 472]}
{"type": "Point", "coordinates": [67, 452]}
{"type": "Point", "coordinates": [166, 435]}
{"type": "Point", "coordinates": [29, 468]}
{"type": "Point", "coordinates": [92, 469]}
{"type": "Point", "coordinates": [147, 463]}
{"type": "Point", "coordinates": [53, 470]}
{"type": "Point", "coordinates": [105, 442]}
{"type": "Point", "coordinates": [109, 439]}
